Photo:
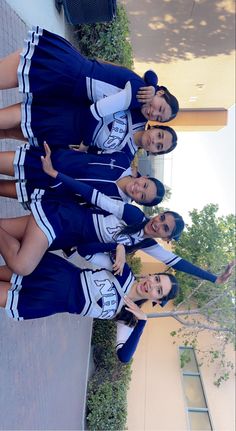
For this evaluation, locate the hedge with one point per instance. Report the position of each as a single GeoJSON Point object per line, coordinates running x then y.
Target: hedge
{"type": "Point", "coordinates": [107, 41]}
{"type": "Point", "coordinates": [107, 389]}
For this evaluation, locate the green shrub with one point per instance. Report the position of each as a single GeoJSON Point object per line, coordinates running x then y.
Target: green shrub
{"type": "Point", "coordinates": [107, 406]}
{"type": "Point", "coordinates": [107, 41]}
{"type": "Point", "coordinates": [107, 389]}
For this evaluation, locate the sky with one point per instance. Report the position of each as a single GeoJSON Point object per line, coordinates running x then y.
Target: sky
{"type": "Point", "coordinates": [201, 170]}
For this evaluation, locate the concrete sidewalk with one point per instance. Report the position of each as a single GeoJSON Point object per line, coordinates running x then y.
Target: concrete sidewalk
{"type": "Point", "coordinates": [44, 363]}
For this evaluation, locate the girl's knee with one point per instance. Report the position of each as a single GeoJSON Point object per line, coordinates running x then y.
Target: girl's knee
{"type": "Point", "coordinates": [22, 267]}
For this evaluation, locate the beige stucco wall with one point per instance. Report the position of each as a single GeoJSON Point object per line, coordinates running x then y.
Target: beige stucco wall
{"type": "Point", "coordinates": [191, 46]}
{"type": "Point", "coordinates": [156, 376]}
{"type": "Point", "coordinates": [156, 399]}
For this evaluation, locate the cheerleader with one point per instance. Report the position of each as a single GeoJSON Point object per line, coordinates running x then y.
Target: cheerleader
{"type": "Point", "coordinates": [56, 80]}
{"type": "Point", "coordinates": [109, 173]}
{"type": "Point", "coordinates": [156, 140]}
{"type": "Point", "coordinates": [57, 286]}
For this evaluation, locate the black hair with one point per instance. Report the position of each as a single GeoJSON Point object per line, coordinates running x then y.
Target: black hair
{"type": "Point", "coordinates": [173, 291]}
{"type": "Point", "coordinates": [171, 100]}
{"type": "Point", "coordinates": [173, 135]}
{"type": "Point", "coordinates": [159, 194]}
{"type": "Point", "coordinates": [129, 319]}
{"type": "Point", "coordinates": [130, 229]}
{"type": "Point", "coordinates": [179, 225]}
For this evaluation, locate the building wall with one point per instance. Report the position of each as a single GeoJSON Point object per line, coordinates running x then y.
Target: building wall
{"type": "Point", "coordinates": [156, 399]}
{"type": "Point", "coordinates": [190, 44]}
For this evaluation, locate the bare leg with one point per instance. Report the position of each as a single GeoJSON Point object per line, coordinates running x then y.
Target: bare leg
{"type": "Point", "coordinates": [15, 133]}
{"type": "Point", "coordinates": [23, 257]}
{"type": "Point", "coordinates": [5, 273]}
{"type": "Point", "coordinates": [6, 163]}
{"type": "Point", "coordinates": [10, 117]}
{"type": "Point", "coordinates": [5, 285]}
{"type": "Point", "coordinates": [8, 189]}
{"type": "Point", "coordinates": [15, 227]}
{"type": "Point", "coordinates": [8, 71]}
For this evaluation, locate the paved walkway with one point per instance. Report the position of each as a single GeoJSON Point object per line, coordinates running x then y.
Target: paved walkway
{"type": "Point", "coordinates": [44, 363]}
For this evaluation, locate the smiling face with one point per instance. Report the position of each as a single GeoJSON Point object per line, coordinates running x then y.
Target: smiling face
{"type": "Point", "coordinates": [158, 109]}
{"type": "Point", "coordinates": [156, 140]}
{"type": "Point", "coordinates": [153, 287]}
{"type": "Point", "coordinates": [141, 190]}
{"type": "Point", "coordinates": [160, 226]}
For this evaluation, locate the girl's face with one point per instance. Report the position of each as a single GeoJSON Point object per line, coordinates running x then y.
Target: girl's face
{"type": "Point", "coordinates": [157, 110]}
{"type": "Point", "coordinates": [160, 226]}
{"type": "Point", "coordinates": [141, 189]}
{"type": "Point", "coordinates": [156, 140]}
{"type": "Point", "coordinates": [153, 287]}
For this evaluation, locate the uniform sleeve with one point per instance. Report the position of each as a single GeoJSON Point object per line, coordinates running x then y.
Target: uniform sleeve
{"type": "Point", "coordinates": [101, 260]}
{"type": "Point", "coordinates": [150, 78]}
{"type": "Point", "coordinates": [123, 211]}
{"type": "Point", "coordinates": [127, 339]}
{"type": "Point", "coordinates": [91, 248]}
{"type": "Point", "coordinates": [170, 259]}
{"type": "Point", "coordinates": [116, 102]}
{"type": "Point", "coordinates": [124, 99]}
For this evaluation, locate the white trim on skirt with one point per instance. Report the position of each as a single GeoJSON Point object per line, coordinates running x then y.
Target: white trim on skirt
{"type": "Point", "coordinates": [40, 216]}
{"type": "Point", "coordinates": [24, 84]}
{"type": "Point", "coordinates": [13, 297]}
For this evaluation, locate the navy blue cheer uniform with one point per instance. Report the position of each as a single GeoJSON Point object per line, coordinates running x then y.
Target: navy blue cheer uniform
{"type": "Point", "coordinates": [108, 229]}
{"type": "Point", "coordinates": [115, 133]}
{"type": "Point", "coordinates": [65, 223]}
{"type": "Point", "coordinates": [93, 231]}
{"type": "Point", "coordinates": [99, 171]}
{"type": "Point", "coordinates": [57, 286]}
{"type": "Point", "coordinates": [61, 89]}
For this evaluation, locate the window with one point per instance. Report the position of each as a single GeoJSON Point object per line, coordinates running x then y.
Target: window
{"type": "Point", "coordinates": [196, 404]}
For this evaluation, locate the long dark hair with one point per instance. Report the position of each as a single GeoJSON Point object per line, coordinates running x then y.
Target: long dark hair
{"type": "Point", "coordinates": [160, 192]}
{"type": "Point", "coordinates": [134, 228]}
{"type": "Point", "coordinates": [130, 320]}
{"type": "Point", "coordinates": [171, 100]}
{"type": "Point", "coordinates": [174, 138]}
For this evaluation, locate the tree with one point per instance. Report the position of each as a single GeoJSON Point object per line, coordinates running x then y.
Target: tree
{"type": "Point", "coordinates": [216, 315]}
{"type": "Point", "coordinates": [202, 306]}
{"type": "Point", "coordinates": [134, 262]}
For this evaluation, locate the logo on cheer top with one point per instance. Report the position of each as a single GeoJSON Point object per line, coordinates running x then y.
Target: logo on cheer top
{"type": "Point", "coordinates": [119, 237]}
{"type": "Point", "coordinates": [118, 131]}
{"type": "Point", "coordinates": [108, 297]}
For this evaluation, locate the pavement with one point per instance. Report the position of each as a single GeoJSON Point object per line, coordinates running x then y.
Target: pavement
{"type": "Point", "coordinates": [44, 362]}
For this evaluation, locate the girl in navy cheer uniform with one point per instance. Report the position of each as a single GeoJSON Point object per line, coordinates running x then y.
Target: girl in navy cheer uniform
{"type": "Point", "coordinates": [57, 286]}
{"type": "Point", "coordinates": [110, 174]}
{"type": "Point", "coordinates": [62, 89]}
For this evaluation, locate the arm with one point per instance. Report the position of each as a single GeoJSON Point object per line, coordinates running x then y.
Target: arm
{"type": "Point", "coordinates": [116, 102]}
{"type": "Point", "coordinates": [81, 147]}
{"type": "Point", "coordinates": [93, 248]}
{"type": "Point", "coordinates": [101, 260]}
{"type": "Point", "coordinates": [171, 259]}
{"type": "Point", "coordinates": [127, 338]}
{"type": "Point", "coordinates": [145, 94]}
{"type": "Point", "coordinates": [132, 96]}
{"type": "Point", "coordinates": [120, 260]}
